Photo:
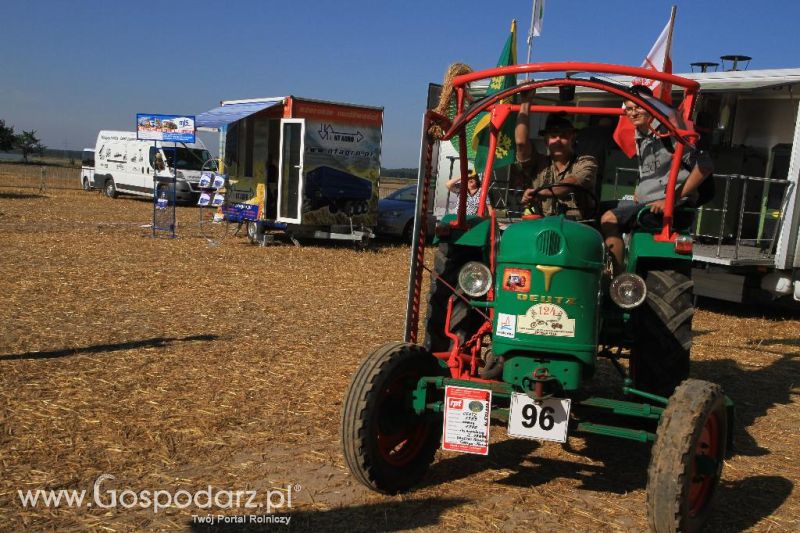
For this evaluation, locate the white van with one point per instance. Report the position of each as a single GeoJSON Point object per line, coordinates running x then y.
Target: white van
{"type": "Point", "coordinates": [87, 169]}
{"type": "Point", "coordinates": [126, 165]}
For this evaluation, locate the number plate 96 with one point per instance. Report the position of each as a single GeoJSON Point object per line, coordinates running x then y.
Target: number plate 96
{"type": "Point", "coordinates": [546, 420]}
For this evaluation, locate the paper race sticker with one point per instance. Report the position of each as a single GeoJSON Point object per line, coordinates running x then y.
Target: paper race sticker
{"type": "Point", "coordinates": [506, 325]}
{"type": "Point", "coordinates": [466, 420]}
{"type": "Point", "coordinates": [546, 319]}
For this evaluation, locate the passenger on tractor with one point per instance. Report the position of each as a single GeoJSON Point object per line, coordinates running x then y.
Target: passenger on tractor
{"type": "Point", "coordinates": [655, 159]}
{"type": "Point", "coordinates": [473, 193]}
{"type": "Point", "coordinates": [561, 165]}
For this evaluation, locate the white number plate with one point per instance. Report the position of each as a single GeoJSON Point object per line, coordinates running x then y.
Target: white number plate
{"type": "Point", "coordinates": [547, 420]}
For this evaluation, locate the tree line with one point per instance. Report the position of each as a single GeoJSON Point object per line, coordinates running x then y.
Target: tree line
{"type": "Point", "coordinates": [26, 143]}
{"type": "Point", "coordinates": [408, 173]}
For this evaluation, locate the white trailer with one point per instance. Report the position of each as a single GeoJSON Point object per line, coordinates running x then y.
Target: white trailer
{"type": "Point", "coordinates": [87, 169]}
{"type": "Point", "coordinates": [747, 244]}
{"type": "Point", "coordinates": [309, 168]}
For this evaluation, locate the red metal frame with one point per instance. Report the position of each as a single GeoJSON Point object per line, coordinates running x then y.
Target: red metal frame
{"type": "Point", "coordinates": [495, 104]}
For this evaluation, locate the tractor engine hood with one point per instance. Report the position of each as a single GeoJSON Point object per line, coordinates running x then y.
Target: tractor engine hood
{"type": "Point", "coordinates": [552, 241]}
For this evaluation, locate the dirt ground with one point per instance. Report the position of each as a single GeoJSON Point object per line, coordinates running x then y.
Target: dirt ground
{"type": "Point", "coordinates": [177, 365]}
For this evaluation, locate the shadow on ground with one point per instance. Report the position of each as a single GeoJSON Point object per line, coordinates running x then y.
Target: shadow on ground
{"type": "Point", "coordinates": [753, 392]}
{"type": "Point", "coordinates": [387, 516]}
{"type": "Point", "coordinates": [155, 342]}
{"type": "Point", "coordinates": [21, 195]}
{"type": "Point", "coordinates": [781, 309]}
{"type": "Point", "coordinates": [740, 505]}
{"type": "Point", "coordinates": [614, 470]}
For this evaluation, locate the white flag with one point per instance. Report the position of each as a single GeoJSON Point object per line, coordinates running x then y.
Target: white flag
{"type": "Point", "coordinates": [538, 17]}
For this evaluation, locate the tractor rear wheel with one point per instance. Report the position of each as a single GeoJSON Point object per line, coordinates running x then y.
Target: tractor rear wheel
{"type": "Point", "coordinates": [447, 263]}
{"type": "Point", "coordinates": [387, 446]}
{"type": "Point", "coordinates": [687, 458]}
{"type": "Point", "coordinates": [663, 330]}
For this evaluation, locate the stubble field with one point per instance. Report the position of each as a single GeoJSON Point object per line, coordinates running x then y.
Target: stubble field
{"type": "Point", "coordinates": [177, 365]}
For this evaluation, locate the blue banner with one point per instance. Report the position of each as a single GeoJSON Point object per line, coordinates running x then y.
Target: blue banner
{"type": "Point", "coordinates": [172, 128]}
{"type": "Point", "coordinates": [240, 212]}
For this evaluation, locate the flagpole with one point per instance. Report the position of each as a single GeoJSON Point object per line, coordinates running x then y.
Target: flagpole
{"type": "Point", "coordinates": [669, 37]}
{"type": "Point", "coordinates": [530, 37]}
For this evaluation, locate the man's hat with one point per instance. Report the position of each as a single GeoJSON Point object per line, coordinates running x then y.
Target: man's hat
{"type": "Point", "coordinates": [557, 122]}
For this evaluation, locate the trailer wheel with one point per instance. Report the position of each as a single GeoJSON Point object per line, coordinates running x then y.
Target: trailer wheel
{"type": "Point", "coordinates": [110, 189]}
{"type": "Point", "coordinates": [252, 231]}
{"type": "Point", "coordinates": [387, 446]}
{"type": "Point", "coordinates": [447, 263]}
{"type": "Point", "coordinates": [687, 458]}
{"type": "Point", "coordinates": [663, 333]}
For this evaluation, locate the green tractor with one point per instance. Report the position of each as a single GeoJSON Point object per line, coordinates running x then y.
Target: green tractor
{"type": "Point", "coordinates": [519, 310]}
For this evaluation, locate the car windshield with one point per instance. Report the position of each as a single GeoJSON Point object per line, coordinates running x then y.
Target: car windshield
{"type": "Point", "coordinates": [406, 194]}
{"type": "Point", "coordinates": [187, 158]}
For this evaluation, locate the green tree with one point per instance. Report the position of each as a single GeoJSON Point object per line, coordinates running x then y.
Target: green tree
{"type": "Point", "coordinates": [6, 137]}
{"type": "Point", "coordinates": [27, 143]}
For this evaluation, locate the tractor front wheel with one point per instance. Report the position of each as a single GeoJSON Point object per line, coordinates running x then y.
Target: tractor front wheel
{"type": "Point", "coordinates": [387, 446]}
{"type": "Point", "coordinates": [687, 458]}
{"type": "Point", "coordinates": [663, 333]}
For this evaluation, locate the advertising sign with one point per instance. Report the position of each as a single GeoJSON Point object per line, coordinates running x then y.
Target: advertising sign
{"type": "Point", "coordinates": [172, 128]}
{"type": "Point", "coordinates": [341, 162]}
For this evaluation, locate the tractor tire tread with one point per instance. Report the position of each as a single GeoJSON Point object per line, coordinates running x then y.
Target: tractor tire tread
{"type": "Point", "coordinates": [677, 430]}
{"type": "Point", "coordinates": [661, 352]}
{"type": "Point", "coordinates": [379, 363]}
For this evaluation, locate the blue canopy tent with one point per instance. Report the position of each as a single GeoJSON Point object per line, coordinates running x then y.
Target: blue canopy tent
{"type": "Point", "coordinates": [217, 119]}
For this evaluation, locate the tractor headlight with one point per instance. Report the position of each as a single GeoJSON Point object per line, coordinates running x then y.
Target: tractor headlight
{"type": "Point", "coordinates": [628, 290]}
{"type": "Point", "coordinates": [475, 279]}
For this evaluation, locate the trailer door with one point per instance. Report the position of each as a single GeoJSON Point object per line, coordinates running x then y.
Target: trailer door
{"type": "Point", "coordinates": [290, 178]}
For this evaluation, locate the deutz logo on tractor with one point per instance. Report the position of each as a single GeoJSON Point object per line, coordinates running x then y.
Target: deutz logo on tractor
{"type": "Point", "coordinates": [545, 299]}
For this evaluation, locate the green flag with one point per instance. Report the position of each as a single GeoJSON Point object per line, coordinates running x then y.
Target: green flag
{"type": "Point", "coordinates": [479, 136]}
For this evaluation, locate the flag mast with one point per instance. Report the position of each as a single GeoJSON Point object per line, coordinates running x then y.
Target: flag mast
{"type": "Point", "coordinates": [530, 32]}
{"type": "Point", "coordinates": [669, 37]}
{"type": "Point", "coordinates": [535, 29]}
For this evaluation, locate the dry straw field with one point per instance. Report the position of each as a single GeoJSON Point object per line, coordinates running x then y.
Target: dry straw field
{"type": "Point", "coordinates": [174, 365]}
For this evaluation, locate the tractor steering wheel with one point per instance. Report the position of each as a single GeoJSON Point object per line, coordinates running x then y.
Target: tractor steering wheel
{"type": "Point", "coordinates": [536, 205]}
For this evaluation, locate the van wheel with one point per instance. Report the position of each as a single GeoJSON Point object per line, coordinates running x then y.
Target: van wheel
{"type": "Point", "coordinates": [110, 189]}
{"type": "Point", "coordinates": [86, 186]}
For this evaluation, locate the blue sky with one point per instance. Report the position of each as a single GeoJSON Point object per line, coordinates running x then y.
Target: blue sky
{"type": "Point", "coordinates": [71, 68]}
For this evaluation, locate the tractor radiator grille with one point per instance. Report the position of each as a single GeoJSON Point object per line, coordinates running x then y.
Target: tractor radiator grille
{"type": "Point", "coordinates": [548, 243]}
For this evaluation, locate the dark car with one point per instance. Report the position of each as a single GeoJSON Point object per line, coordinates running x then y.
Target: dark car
{"type": "Point", "coordinates": [396, 214]}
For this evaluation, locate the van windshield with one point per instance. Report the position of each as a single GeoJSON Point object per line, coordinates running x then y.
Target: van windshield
{"type": "Point", "coordinates": [186, 158]}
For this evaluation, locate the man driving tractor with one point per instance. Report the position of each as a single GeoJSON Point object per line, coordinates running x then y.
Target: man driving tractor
{"type": "Point", "coordinates": [535, 170]}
